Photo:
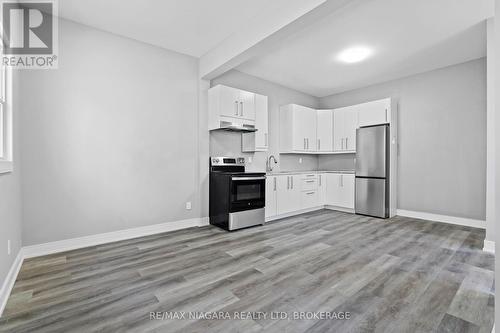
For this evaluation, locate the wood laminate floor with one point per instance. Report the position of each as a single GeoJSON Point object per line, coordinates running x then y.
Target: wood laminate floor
{"type": "Point", "coordinates": [396, 275]}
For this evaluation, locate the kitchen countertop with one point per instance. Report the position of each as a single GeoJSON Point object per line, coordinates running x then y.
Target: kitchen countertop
{"type": "Point", "coordinates": [277, 173]}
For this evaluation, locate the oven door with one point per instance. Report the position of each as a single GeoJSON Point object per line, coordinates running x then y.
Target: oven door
{"type": "Point", "coordinates": [247, 192]}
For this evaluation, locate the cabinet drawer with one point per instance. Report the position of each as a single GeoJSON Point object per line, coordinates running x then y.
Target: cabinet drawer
{"type": "Point", "coordinates": [309, 184]}
{"type": "Point", "coordinates": [309, 199]}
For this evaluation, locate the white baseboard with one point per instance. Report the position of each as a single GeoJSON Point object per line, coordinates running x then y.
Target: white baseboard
{"type": "Point", "coordinates": [10, 279]}
{"type": "Point", "coordinates": [489, 246]}
{"type": "Point", "coordinates": [302, 211]}
{"type": "Point", "coordinates": [340, 209]}
{"type": "Point", "coordinates": [109, 237]}
{"type": "Point", "coordinates": [443, 218]}
{"type": "Point", "coordinates": [296, 212]}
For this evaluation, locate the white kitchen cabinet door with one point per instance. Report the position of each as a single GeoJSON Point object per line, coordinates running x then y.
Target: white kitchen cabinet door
{"type": "Point", "coordinates": [350, 126]}
{"type": "Point", "coordinates": [261, 123]}
{"type": "Point", "coordinates": [259, 140]}
{"type": "Point", "coordinates": [229, 101]}
{"type": "Point", "coordinates": [333, 194]}
{"type": "Point", "coordinates": [295, 192]}
{"type": "Point", "coordinates": [322, 189]}
{"type": "Point", "coordinates": [310, 129]}
{"type": "Point", "coordinates": [338, 129]}
{"type": "Point", "coordinates": [374, 113]}
{"type": "Point", "coordinates": [301, 128]}
{"type": "Point", "coordinates": [288, 194]}
{"type": "Point", "coordinates": [347, 191]}
{"type": "Point", "coordinates": [271, 196]}
{"type": "Point", "coordinates": [283, 192]}
{"type": "Point", "coordinates": [247, 105]}
{"type": "Point", "coordinates": [325, 130]}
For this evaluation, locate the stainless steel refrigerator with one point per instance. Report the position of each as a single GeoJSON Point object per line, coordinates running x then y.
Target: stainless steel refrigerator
{"type": "Point", "coordinates": [372, 171]}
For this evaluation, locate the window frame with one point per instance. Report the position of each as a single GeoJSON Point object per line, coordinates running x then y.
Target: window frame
{"type": "Point", "coordinates": [6, 121]}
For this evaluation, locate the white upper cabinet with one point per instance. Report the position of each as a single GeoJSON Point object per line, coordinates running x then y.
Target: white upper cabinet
{"type": "Point", "coordinates": [228, 100]}
{"type": "Point", "coordinates": [258, 141]}
{"type": "Point", "coordinates": [374, 113]}
{"type": "Point", "coordinates": [247, 105]}
{"type": "Point", "coordinates": [345, 122]}
{"type": "Point", "coordinates": [324, 131]}
{"type": "Point", "coordinates": [305, 130]}
{"type": "Point", "coordinates": [230, 105]}
{"type": "Point", "coordinates": [298, 125]}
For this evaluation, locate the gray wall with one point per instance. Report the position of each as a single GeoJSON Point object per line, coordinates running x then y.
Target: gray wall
{"type": "Point", "coordinates": [226, 143]}
{"type": "Point", "coordinates": [442, 138]}
{"type": "Point", "coordinates": [110, 139]}
{"type": "Point", "coordinates": [10, 197]}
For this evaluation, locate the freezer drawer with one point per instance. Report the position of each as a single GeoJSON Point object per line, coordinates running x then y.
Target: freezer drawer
{"type": "Point", "coordinates": [371, 197]}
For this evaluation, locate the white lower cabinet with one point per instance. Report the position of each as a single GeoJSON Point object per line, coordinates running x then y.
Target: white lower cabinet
{"type": "Point", "coordinates": [290, 193]}
{"type": "Point", "coordinates": [322, 189]}
{"type": "Point", "coordinates": [340, 190]}
{"type": "Point", "coordinates": [271, 196]}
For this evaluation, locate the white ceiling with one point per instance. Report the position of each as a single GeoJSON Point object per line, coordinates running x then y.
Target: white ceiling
{"type": "Point", "coordinates": [407, 36]}
{"type": "Point", "coordinates": [191, 27]}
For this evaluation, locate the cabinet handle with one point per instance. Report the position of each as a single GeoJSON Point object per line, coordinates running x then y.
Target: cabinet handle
{"type": "Point", "coordinates": [287, 182]}
{"type": "Point", "coordinates": [341, 180]}
{"type": "Point", "coordinates": [265, 139]}
{"type": "Point", "coordinates": [241, 105]}
{"type": "Point", "coordinates": [236, 108]}
{"type": "Point", "coordinates": [304, 143]}
{"type": "Point", "coordinates": [319, 144]}
{"type": "Point", "coordinates": [274, 179]}
{"type": "Point", "coordinates": [310, 181]}
{"type": "Point", "coordinates": [346, 143]}
{"type": "Point", "coordinates": [307, 143]}
{"type": "Point", "coordinates": [385, 115]}
{"type": "Point", "coordinates": [319, 180]}
{"type": "Point", "coordinates": [310, 193]}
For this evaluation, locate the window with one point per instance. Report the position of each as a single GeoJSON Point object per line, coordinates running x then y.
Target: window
{"type": "Point", "coordinates": [5, 122]}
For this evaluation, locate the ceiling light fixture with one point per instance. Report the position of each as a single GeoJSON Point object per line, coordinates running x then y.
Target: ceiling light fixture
{"type": "Point", "coordinates": [354, 54]}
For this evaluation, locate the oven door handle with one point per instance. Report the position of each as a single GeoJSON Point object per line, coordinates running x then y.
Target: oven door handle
{"type": "Point", "coordinates": [248, 178]}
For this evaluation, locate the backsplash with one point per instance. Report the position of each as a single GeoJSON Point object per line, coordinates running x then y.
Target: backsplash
{"type": "Point", "coordinates": [224, 143]}
{"type": "Point", "coordinates": [337, 162]}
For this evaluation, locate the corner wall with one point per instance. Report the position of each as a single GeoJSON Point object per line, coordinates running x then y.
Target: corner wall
{"type": "Point", "coordinates": [110, 139]}
{"type": "Point", "coordinates": [442, 138]}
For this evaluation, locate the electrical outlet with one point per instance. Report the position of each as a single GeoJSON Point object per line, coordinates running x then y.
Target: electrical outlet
{"type": "Point", "coordinates": [300, 160]}
{"type": "Point", "coordinates": [8, 247]}
{"type": "Point", "coordinates": [188, 205]}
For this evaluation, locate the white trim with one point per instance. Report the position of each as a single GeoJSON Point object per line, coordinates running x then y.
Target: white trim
{"type": "Point", "coordinates": [443, 218]}
{"type": "Point", "coordinates": [489, 246]}
{"type": "Point", "coordinates": [109, 237]}
{"type": "Point", "coordinates": [307, 210]}
{"type": "Point", "coordinates": [10, 279]}
{"type": "Point", "coordinates": [295, 212]}
{"type": "Point", "coordinates": [340, 209]}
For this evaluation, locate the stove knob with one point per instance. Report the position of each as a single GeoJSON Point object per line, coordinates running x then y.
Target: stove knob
{"type": "Point", "coordinates": [216, 161]}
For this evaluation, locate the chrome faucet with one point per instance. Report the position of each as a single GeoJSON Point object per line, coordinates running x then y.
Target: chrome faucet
{"type": "Point", "coordinates": [269, 166]}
